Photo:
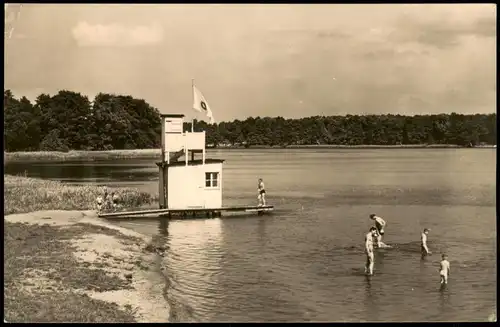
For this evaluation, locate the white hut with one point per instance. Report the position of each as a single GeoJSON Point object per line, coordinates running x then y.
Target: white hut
{"type": "Point", "coordinates": [194, 181]}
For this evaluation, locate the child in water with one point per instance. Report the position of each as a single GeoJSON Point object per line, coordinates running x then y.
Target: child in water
{"type": "Point", "coordinates": [379, 225]}
{"type": "Point", "coordinates": [444, 269]}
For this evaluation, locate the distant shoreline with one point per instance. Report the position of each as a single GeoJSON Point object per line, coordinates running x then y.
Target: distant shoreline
{"type": "Point", "coordinates": [363, 146]}
{"type": "Point", "coordinates": [155, 153]}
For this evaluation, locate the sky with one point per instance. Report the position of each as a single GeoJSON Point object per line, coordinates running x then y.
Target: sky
{"type": "Point", "coordinates": [289, 60]}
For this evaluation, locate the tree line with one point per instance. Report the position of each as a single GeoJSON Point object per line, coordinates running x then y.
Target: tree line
{"type": "Point", "coordinates": [71, 121]}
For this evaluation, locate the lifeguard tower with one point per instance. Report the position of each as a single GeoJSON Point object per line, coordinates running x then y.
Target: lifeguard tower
{"type": "Point", "coordinates": [189, 183]}
{"type": "Point", "coordinates": [195, 182]}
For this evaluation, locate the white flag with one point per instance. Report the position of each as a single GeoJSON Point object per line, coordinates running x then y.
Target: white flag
{"type": "Point", "coordinates": [201, 105]}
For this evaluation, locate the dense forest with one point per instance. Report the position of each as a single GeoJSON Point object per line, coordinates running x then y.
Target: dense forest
{"type": "Point", "coordinates": [71, 121]}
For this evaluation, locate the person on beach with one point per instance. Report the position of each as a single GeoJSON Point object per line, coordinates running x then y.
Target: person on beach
{"type": "Point", "coordinates": [444, 269]}
{"type": "Point", "coordinates": [370, 257]}
{"type": "Point", "coordinates": [261, 193]}
{"type": "Point", "coordinates": [114, 199]}
{"type": "Point", "coordinates": [379, 225]}
{"type": "Point", "coordinates": [99, 201]}
{"type": "Point", "coordinates": [102, 201]}
{"type": "Point", "coordinates": [423, 246]}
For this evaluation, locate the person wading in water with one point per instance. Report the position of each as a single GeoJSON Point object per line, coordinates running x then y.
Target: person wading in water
{"type": "Point", "coordinates": [370, 256]}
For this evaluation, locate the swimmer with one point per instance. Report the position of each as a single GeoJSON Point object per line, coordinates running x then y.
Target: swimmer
{"type": "Point", "coordinates": [423, 247]}
{"type": "Point", "coordinates": [444, 269]}
{"type": "Point", "coordinates": [370, 257]}
{"type": "Point", "coordinates": [261, 193]}
{"type": "Point", "coordinates": [379, 225]}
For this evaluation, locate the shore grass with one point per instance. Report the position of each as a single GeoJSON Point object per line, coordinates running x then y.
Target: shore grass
{"type": "Point", "coordinates": [82, 155]}
{"type": "Point", "coordinates": [44, 282]}
{"type": "Point", "coordinates": [23, 194]}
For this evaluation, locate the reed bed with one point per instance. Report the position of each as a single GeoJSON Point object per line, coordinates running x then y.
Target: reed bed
{"type": "Point", "coordinates": [24, 194]}
{"type": "Point", "coordinates": [82, 155]}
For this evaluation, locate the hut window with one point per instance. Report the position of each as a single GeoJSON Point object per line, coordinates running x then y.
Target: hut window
{"type": "Point", "coordinates": [211, 179]}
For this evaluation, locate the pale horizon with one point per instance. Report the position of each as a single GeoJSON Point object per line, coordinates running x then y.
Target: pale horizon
{"type": "Point", "coordinates": [262, 60]}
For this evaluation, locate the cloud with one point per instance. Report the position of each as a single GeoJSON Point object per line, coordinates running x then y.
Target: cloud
{"type": "Point", "coordinates": [332, 34]}
{"type": "Point", "coordinates": [485, 26]}
{"type": "Point", "coordinates": [385, 58]}
{"type": "Point", "coordinates": [116, 35]}
{"type": "Point", "coordinates": [443, 32]}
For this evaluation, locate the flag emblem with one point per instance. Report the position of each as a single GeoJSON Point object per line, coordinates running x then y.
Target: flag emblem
{"type": "Point", "coordinates": [201, 105]}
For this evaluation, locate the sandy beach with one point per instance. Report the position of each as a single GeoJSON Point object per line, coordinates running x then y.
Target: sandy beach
{"type": "Point", "coordinates": [99, 246]}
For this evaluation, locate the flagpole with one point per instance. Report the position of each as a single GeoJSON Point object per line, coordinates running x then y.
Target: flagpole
{"type": "Point", "coordinates": [192, 120]}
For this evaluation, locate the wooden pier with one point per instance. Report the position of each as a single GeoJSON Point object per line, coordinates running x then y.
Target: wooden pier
{"type": "Point", "coordinates": [190, 212]}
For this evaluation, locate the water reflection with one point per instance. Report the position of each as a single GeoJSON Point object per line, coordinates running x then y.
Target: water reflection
{"type": "Point", "coordinates": [86, 172]}
{"type": "Point", "coordinates": [160, 240]}
{"type": "Point", "coordinates": [192, 261]}
{"type": "Point", "coordinates": [370, 302]}
{"type": "Point", "coordinates": [261, 231]}
{"type": "Point", "coordinates": [444, 301]}
{"type": "Point", "coordinates": [163, 228]}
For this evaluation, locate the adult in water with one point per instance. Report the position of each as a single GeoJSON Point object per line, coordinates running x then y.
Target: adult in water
{"type": "Point", "coordinates": [379, 225]}
{"type": "Point", "coordinates": [370, 257]}
{"type": "Point", "coordinates": [423, 247]}
{"type": "Point", "coordinates": [262, 193]}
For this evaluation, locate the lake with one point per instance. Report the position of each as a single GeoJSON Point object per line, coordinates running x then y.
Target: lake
{"type": "Point", "coordinates": [305, 262]}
